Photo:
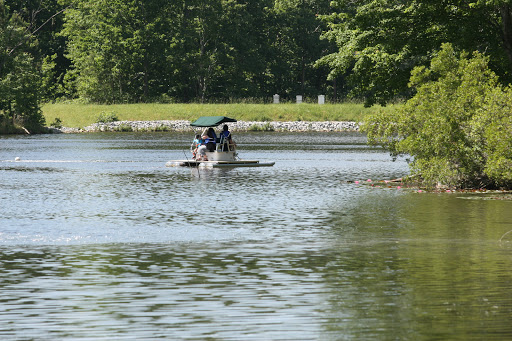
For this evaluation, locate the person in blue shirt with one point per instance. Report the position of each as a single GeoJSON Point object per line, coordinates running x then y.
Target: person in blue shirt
{"type": "Point", "coordinates": [195, 144]}
{"type": "Point", "coordinates": [225, 132]}
{"type": "Point", "coordinates": [225, 139]}
{"type": "Point", "coordinates": [210, 139]}
{"type": "Point", "coordinates": [211, 134]}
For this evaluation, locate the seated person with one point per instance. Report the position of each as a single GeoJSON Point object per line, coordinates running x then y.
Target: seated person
{"type": "Point", "coordinates": [210, 139]}
{"type": "Point", "coordinates": [195, 144]}
{"type": "Point", "coordinates": [201, 153]}
{"type": "Point", "coordinates": [226, 140]}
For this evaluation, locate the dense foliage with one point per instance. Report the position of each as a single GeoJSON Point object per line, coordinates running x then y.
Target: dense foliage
{"type": "Point", "coordinates": [126, 51]}
{"type": "Point", "coordinates": [194, 50]}
{"type": "Point", "coordinates": [457, 128]}
{"type": "Point", "coordinates": [381, 41]}
{"type": "Point", "coordinates": [217, 50]}
{"type": "Point", "coordinates": [19, 76]}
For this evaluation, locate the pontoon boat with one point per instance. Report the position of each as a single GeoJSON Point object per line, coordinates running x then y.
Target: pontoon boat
{"type": "Point", "coordinates": [223, 154]}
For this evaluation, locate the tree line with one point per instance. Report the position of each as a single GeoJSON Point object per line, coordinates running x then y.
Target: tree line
{"type": "Point", "coordinates": [120, 51]}
{"type": "Point", "coordinates": [182, 50]}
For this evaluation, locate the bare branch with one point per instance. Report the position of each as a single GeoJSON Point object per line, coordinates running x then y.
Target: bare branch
{"type": "Point", "coordinates": [37, 29]}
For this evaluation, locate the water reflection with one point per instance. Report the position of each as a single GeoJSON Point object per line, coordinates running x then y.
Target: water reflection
{"type": "Point", "coordinates": [109, 243]}
{"type": "Point", "coordinates": [437, 272]}
{"type": "Point", "coordinates": [183, 291]}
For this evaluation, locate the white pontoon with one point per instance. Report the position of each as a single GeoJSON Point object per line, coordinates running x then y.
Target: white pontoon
{"type": "Point", "coordinates": [223, 154]}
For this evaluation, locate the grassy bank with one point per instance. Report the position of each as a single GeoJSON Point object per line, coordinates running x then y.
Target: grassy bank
{"type": "Point", "coordinates": [81, 115]}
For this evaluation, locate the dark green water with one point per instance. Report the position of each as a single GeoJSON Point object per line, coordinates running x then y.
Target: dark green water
{"type": "Point", "coordinates": [99, 240]}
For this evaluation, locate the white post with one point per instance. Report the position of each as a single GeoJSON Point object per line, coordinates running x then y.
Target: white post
{"type": "Point", "coordinates": [299, 99]}
{"type": "Point", "coordinates": [276, 99]}
{"type": "Point", "coordinates": [321, 99]}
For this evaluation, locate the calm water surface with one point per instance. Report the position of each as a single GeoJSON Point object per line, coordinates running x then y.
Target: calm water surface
{"type": "Point", "coordinates": [99, 240]}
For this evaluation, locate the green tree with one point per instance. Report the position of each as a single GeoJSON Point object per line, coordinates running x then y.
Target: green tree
{"type": "Point", "coordinates": [297, 46]}
{"type": "Point", "coordinates": [457, 128]}
{"type": "Point", "coordinates": [381, 41]}
{"type": "Point", "coordinates": [44, 19]}
{"type": "Point", "coordinates": [204, 50]}
{"type": "Point", "coordinates": [200, 46]}
{"type": "Point", "coordinates": [120, 49]}
{"type": "Point", "coordinates": [225, 49]}
{"type": "Point", "coordinates": [500, 12]}
{"type": "Point", "coordinates": [19, 75]}
{"type": "Point", "coordinates": [246, 28]}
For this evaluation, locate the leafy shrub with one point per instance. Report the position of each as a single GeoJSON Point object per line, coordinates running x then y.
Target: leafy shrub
{"type": "Point", "coordinates": [458, 126]}
{"type": "Point", "coordinates": [107, 117]}
{"type": "Point", "coordinates": [162, 128]}
{"type": "Point", "coordinates": [265, 127]}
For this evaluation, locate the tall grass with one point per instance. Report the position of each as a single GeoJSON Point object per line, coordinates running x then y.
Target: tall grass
{"type": "Point", "coordinates": [81, 115]}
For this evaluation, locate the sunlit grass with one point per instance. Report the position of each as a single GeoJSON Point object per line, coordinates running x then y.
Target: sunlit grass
{"type": "Point", "coordinates": [81, 115]}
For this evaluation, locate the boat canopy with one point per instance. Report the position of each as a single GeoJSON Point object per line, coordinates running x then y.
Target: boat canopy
{"type": "Point", "coordinates": [211, 121]}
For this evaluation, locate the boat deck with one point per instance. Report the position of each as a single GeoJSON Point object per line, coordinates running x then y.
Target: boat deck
{"type": "Point", "coordinates": [219, 164]}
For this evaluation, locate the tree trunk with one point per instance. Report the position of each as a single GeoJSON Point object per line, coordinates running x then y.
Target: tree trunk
{"type": "Point", "coordinates": [146, 77]}
{"type": "Point", "coordinates": [335, 90]}
{"type": "Point", "coordinates": [506, 18]}
{"type": "Point", "coordinates": [303, 76]}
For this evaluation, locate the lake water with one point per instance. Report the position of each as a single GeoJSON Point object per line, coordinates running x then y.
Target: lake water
{"type": "Point", "coordinates": [99, 240]}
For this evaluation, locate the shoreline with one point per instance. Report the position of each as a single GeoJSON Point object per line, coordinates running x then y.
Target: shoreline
{"type": "Point", "coordinates": [184, 126]}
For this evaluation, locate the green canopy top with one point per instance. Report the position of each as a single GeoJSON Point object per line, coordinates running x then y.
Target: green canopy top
{"type": "Point", "coordinates": [211, 121]}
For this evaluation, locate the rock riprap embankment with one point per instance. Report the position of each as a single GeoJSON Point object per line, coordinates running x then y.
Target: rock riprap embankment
{"type": "Point", "coordinates": [183, 125]}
